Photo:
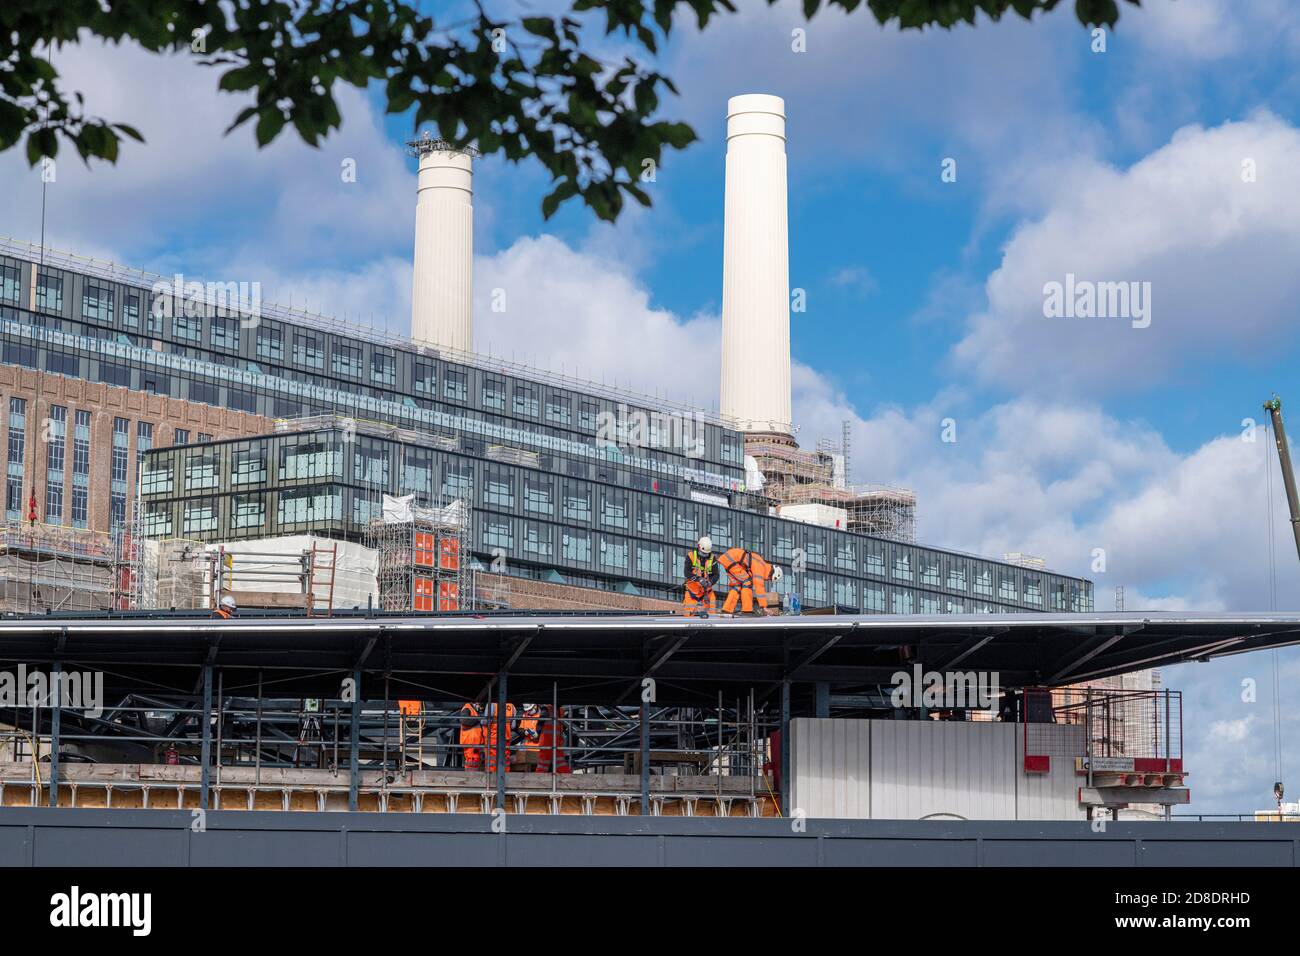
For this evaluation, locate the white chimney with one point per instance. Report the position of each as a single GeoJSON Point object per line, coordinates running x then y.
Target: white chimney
{"type": "Point", "coordinates": [442, 293]}
{"type": "Point", "coordinates": [755, 268]}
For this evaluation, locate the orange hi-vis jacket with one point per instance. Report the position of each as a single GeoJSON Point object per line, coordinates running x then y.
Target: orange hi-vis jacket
{"type": "Point", "coordinates": [550, 744]}
{"type": "Point", "coordinates": [471, 737]}
{"type": "Point", "coordinates": [748, 573]}
{"type": "Point", "coordinates": [700, 576]}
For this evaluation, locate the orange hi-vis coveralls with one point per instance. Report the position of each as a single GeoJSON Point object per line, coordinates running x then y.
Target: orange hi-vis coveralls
{"type": "Point", "coordinates": [471, 737]}
{"type": "Point", "coordinates": [550, 744]}
{"type": "Point", "coordinates": [747, 573]}
{"type": "Point", "coordinates": [701, 575]}
{"type": "Point", "coordinates": [490, 722]}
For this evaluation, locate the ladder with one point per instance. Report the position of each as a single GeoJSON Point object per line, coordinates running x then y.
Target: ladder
{"type": "Point", "coordinates": [320, 573]}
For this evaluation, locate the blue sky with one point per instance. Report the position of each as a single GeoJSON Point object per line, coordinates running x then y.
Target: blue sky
{"type": "Point", "coordinates": [924, 297]}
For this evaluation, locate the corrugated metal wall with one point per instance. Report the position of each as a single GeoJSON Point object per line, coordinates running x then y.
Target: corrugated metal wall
{"type": "Point", "coordinates": [912, 769]}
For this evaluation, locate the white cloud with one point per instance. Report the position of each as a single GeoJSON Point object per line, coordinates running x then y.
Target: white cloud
{"type": "Point", "coordinates": [1218, 252]}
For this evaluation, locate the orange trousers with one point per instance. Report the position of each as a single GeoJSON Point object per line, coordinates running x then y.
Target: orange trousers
{"type": "Point", "coordinates": [745, 593]}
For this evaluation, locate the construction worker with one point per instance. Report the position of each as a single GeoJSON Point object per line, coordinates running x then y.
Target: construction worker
{"type": "Point", "coordinates": [490, 734]}
{"type": "Point", "coordinates": [527, 730]}
{"type": "Point", "coordinates": [226, 608]}
{"type": "Point", "coordinates": [747, 574]}
{"type": "Point", "coordinates": [550, 744]}
{"type": "Point", "coordinates": [701, 573]}
{"type": "Point", "coordinates": [471, 736]}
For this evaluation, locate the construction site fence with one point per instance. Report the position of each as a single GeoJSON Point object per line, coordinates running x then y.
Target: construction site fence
{"type": "Point", "coordinates": [1111, 723]}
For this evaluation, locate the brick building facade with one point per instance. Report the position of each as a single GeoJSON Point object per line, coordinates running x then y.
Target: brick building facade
{"type": "Point", "coordinates": [96, 424]}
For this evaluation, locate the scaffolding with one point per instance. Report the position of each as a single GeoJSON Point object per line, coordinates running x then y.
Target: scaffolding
{"type": "Point", "coordinates": [53, 568]}
{"type": "Point", "coordinates": [423, 556]}
{"type": "Point", "coordinates": [794, 477]}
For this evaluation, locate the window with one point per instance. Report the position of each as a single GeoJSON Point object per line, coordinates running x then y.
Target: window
{"type": "Point", "coordinates": [270, 343]}
{"type": "Point", "coordinates": [417, 472]}
{"type": "Point", "coordinates": [494, 394]}
{"type": "Point", "coordinates": [613, 510]}
{"type": "Point", "coordinates": [424, 377]}
{"type": "Point", "coordinates": [204, 437]}
{"type": "Point", "coordinates": [614, 554]}
{"type": "Point", "coordinates": [720, 531]}
{"type": "Point", "coordinates": [249, 511]}
{"type": "Point", "coordinates": [783, 546]}
{"type": "Point", "coordinates": [206, 393]}
{"type": "Point", "coordinates": [241, 401]}
{"type": "Point", "coordinates": [97, 301]}
{"type": "Point", "coordinates": [456, 386]}
{"type": "Point", "coordinates": [538, 496]}
{"type": "Point", "coordinates": [113, 374]}
{"type": "Point", "coordinates": [55, 453]}
{"type": "Point", "coordinates": [313, 458]}
{"type": "Point", "coordinates": [200, 516]}
{"type": "Point", "coordinates": [188, 328]}
{"type": "Point", "coordinates": [846, 559]}
{"type": "Point", "coordinates": [929, 603]}
{"type": "Point", "coordinates": [181, 436]}
{"type": "Point", "coordinates": [873, 597]}
{"type": "Point", "coordinates": [225, 333]}
{"type": "Point", "coordinates": [558, 410]}
{"type": "Point", "coordinates": [902, 602]}
{"type": "Point", "coordinates": [200, 469]}
{"type": "Point", "coordinates": [649, 559]}
{"type": "Point", "coordinates": [1007, 585]}
{"type": "Point", "coordinates": [499, 489]}
{"type": "Point", "coordinates": [957, 577]}
{"type": "Point", "coordinates": [309, 505]}
{"type": "Point", "coordinates": [1033, 589]}
{"type": "Point", "coordinates": [650, 518]}
{"type": "Point", "coordinates": [814, 591]}
{"type": "Point", "coordinates": [10, 281]}
{"type": "Point", "coordinates": [307, 351]}
{"type": "Point", "coordinates": [118, 471]}
{"type": "Point", "coordinates": [577, 546]}
{"type": "Point", "coordinates": [983, 583]}
{"type": "Point", "coordinates": [684, 524]}
{"type": "Point", "coordinates": [526, 400]}
{"type": "Point", "coordinates": [370, 464]}
{"type": "Point", "coordinates": [577, 505]}
{"type": "Point", "coordinates": [846, 594]}
{"type": "Point", "coordinates": [383, 368]}
{"type": "Point", "coordinates": [588, 412]}
{"type": "Point", "coordinates": [49, 293]}
{"type": "Point", "coordinates": [929, 569]}
{"type": "Point", "coordinates": [157, 520]}
{"type": "Point", "coordinates": [248, 466]}
{"type": "Point", "coordinates": [156, 476]}
{"type": "Point", "coordinates": [143, 440]}
{"type": "Point", "coordinates": [131, 310]}
{"type": "Point", "coordinates": [80, 468]}
{"type": "Point", "coordinates": [497, 533]}
{"type": "Point", "coordinates": [457, 480]}
{"type": "Point", "coordinates": [17, 452]}
{"type": "Point", "coordinates": [61, 363]}
{"type": "Point", "coordinates": [346, 360]}
{"type": "Point", "coordinates": [537, 539]}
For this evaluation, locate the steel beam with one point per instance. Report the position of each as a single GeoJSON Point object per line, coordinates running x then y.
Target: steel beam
{"type": "Point", "coordinates": [56, 702]}
{"type": "Point", "coordinates": [205, 715]}
{"type": "Point", "coordinates": [354, 743]}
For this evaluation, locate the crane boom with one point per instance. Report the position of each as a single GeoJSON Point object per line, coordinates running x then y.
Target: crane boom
{"type": "Point", "coordinates": [1274, 408]}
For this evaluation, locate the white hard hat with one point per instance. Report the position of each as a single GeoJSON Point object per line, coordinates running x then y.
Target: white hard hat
{"type": "Point", "coordinates": [776, 574]}
{"type": "Point", "coordinates": [227, 601]}
{"type": "Point", "coordinates": [706, 544]}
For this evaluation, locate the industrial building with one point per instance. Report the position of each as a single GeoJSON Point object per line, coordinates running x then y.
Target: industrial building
{"type": "Point", "coordinates": [569, 485]}
{"type": "Point", "coordinates": [393, 514]}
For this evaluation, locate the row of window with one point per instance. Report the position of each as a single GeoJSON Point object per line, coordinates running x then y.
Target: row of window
{"type": "Point", "coordinates": [349, 359]}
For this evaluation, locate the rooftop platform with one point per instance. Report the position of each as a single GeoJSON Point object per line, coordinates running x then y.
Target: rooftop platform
{"type": "Point", "coordinates": [596, 659]}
